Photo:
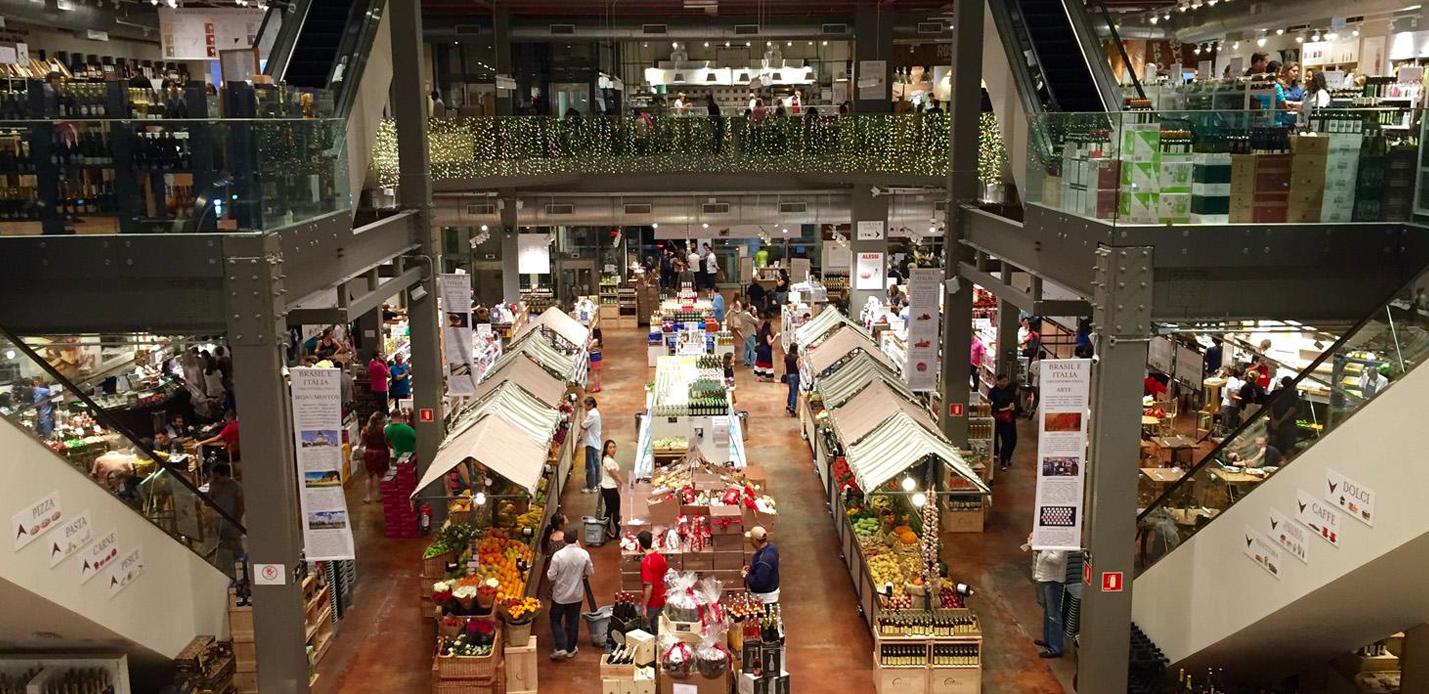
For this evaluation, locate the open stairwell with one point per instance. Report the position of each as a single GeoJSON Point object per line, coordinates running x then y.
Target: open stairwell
{"type": "Point", "coordinates": [1211, 603]}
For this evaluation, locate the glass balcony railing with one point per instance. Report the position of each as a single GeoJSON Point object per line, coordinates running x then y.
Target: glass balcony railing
{"type": "Point", "coordinates": [158, 476]}
{"type": "Point", "coordinates": [1367, 360]}
{"type": "Point", "coordinates": [155, 175]}
{"type": "Point", "coordinates": [465, 148]}
{"type": "Point", "coordinates": [1228, 167]}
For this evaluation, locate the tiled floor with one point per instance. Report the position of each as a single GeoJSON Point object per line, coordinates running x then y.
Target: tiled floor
{"type": "Point", "coordinates": [383, 645]}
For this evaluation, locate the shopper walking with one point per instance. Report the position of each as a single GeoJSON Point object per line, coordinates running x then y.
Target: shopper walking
{"type": "Point", "coordinates": [610, 484]}
{"type": "Point", "coordinates": [711, 268]}
{"type": "Point", "coordinates": [716, 123]}
{"type": "Point", "coordinates": [1003, 398]}
{"type": "Point", "coordinates": [376, 457]}
{"type": "Point", "coordinates": [693, 262]}
{"type": "Point", "coordinates": [717, 304]}
{"type": "Point", "coordinates": [590, 437]}
{"type": "Point", "coordinates": [377, 376]}
{"type": "Point", "coordinates": [553, 538]}
{"type": "Point", "coordinates": [653, 568]}
{"type": "Point", "coordinates": [791, 377]}
{"type": "Point", "coordinates": [1049, 569]}
{"type": "Point", "coordinates": [764, 352]}
{"type": "Point", "coordinates": [761, 575]}
{"type": "Point", "coordinates": [227, 494]}
{"type": "Point", "coordinates": [1230, 399]}
{"type": "Point", "coordinates": [568, 570]}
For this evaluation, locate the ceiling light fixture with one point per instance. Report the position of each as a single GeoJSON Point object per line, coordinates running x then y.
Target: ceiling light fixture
{"type": "Point", "coordinates": [1154, 19]}
{"type": "Point", "coordinates": [1280, 32]}
{"type": "Point", "coordinates": [1260, 41]}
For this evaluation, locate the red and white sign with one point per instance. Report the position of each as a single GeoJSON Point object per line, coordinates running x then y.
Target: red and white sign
{"type": "Point", "coordinates": [955, 409]}
{"type": "Point", "coordinates": [1112, 581]}
{"type": "Point", "coordinates": [426, 414]}
{"type": "Point", "coordinates": [269, 575]}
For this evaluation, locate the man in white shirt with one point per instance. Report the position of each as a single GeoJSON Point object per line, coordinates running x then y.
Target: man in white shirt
{"type": "Point", "coordinates": [1230, 398]}
{"type": "Point", "coordinates": [696, 266]}
{"type": "Point", "coordinates": [711, 267]}
{"type": "Point", "coordinates": [1049, 570]}
{"type": "Point", "coordinates": [567, 570]}
{"type": "Point", "coordinates": [590, 438]}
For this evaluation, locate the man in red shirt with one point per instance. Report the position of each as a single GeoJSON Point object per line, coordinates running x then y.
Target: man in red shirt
{"type": "Point", "coordinates": [653, 568]}
{"type": "Point", "coordinates": [227, 436]}
{"type": "Point", "coordinates": [377, 374]}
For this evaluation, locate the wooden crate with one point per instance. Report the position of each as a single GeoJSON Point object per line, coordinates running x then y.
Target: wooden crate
{"type": "Point", "coordinates": [245, 682]}
{"type": "Point", "coordinates": [240, 623]}
{"type": "Point", "coordinates": [521, 667]}
{"type": "Point", "coordinates": [955, 680]}
{"type": "Point", "coordinates": [900, 680]}
{"type": "Point", "coordinates": [964, 521]}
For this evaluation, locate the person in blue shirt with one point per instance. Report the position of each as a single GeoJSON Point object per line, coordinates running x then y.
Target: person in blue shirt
{"type": "Point", "coordinates": [44, 409]}
{"type": "Point", "coordinates": [1294, 91]}
{"type": "Point", "coordinates": [401, 374]}
{"type": "Point", "coordinates": [1213, 356]}
{"type": "Point", "coordinates": [718, 300]}
{"type": "Point", "coordinates": [761, 576]}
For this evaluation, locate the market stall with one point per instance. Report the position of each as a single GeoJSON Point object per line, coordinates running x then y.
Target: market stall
{"type": "Point", "coordinates": [835, 388]}
{"type": "Point", "coordinates": [688, 407]}
{"type": "Point", "coordinates": [555, 322]}
{"type": "Point", "coordinates": [564, 362]}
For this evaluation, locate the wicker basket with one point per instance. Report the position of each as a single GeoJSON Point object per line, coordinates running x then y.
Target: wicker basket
{"type": "Point", "coordinates": [469, 668]}
{"type": "Point", "coordinates": [435, 568]}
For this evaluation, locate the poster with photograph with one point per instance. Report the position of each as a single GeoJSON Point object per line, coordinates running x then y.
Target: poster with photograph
{"type": "Point", "coordinates": [869, 272]}
{"type": "Point", "coordinates": [317, 427]}
{"type": "Point", "coordinates": [920, 369]}
{"type": "Point", "coordinates": [457, 338]}
{"type": "Point", "coordinates": [1062, 414]}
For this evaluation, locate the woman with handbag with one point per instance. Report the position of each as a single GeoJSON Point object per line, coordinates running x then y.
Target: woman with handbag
{"type": "Point", "coordinates": [376, 458]}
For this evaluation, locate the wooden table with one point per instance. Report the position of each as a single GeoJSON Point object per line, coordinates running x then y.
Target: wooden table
{"type": "Point", "coordinates": [1213, 386]}
{"type": "Point", "coordinates": [1237, 477]}
{"type": "Point", "coordinates": [1182, 448]}
{"type": "Point", "coordinates": [1163, 475]}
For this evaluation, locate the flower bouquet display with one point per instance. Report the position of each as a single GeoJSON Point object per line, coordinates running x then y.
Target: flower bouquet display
{"type": "Point", "coordinates": [469, 654]}
{"type": "Point", "coordinates": [517, 613]}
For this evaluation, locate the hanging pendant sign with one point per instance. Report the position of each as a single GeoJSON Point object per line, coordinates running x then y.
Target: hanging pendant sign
{"type": "Point", "coordinates": [920, 368]}
{"type": "Point", "coordinates": [1062, 414]}
{"type": "Point", "coordinates": [456, 322]}
{"type": "Point", "coordinates": [317, 428]}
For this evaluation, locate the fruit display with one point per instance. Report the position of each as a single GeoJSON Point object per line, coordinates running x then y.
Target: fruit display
{"type": "Point", "coordinates": [671, 444]}
{"type": "Point", "coordinates": [497, 557]}
{"type": "Point", "coordinates": [530, 521]}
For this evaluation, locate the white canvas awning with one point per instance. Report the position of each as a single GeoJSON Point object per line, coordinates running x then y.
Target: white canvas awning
{"type": "Point", "coordinates": [827, 321]}
{"type": "Point", "coordinates": [525, 373]}
{"type": "Point", "coordinates": [512, 403]}
{"type": "Point", "coordinates": [838, 346]}
{"type": "Point", "coordinates": [860, 370]}
{"type": "Point", "coordinates": [900, 443]}
{"type": "Point", "coordinates": [862, 413]}
{"type": "Point", "coordinates": [560, 323]}
{"type": "Point", "coordinates": [498, 445]}
{"type": "Point", "coordinates": [566, 367]}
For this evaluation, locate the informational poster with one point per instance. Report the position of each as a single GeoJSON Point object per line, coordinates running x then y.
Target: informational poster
{"type": "Point", "coordinates": [456, 321]}
{"type": "Point", "coordinates": [870, 230]}
{"type": "Point", "coordinates": [98, 556]}
{"type": "Point", "coordinates": [799, 269]}
{"type": "Point", "coordinates": [200, 33]}
{"type": "Point", "coordinates": [869, 272]}
{"type": "Point", "coordinates": [1355, 499]}
{"type": "Point", "coordinates": [1062, 415]}
{"type": "Point", "coordinates": [1190, 367]}
{"type": "Point", "coordinates": [37, 519]}
{"type": "Point", "coordinates": [1321, 518]}
{"type": "Point", "coordinates": [533, 254]}
{"type": "Point", "coordinates": [1372, 55]}
{"type": "Point", "coordinates": [746, 270]}
{"type": "Point", "coordinates": [70, 539]}
{"type": "Point", "coordinates": [126, 571]}
{"type": "Point", "coordinates": [920, 370]}
{"type": "Point", "coordinates": [1161, 355]}
{"type": "Point", "coordinates": [1261, 550]}
{"type": "Point", "coordinates": [317, 428]}
{"type": "Point", "coordinates": [872, 79]}
{"type": "Point", "coordinates": [1290, 536]}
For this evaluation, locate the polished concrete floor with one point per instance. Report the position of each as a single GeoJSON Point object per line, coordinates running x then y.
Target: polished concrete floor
{"type": "Point", "coordinates": [384, 644]}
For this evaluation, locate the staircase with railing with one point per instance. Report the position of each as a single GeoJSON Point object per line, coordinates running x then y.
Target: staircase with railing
{"type": "Point", "coordinates": [1288, 512]}
{"type": "Point", "coordinates": [131, 525]}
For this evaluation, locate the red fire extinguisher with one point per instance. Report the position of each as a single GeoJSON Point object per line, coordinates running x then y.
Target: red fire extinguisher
{"type": "Point", "coordinates": [426, 518]}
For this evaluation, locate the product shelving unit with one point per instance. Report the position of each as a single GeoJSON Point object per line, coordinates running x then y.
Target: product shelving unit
{"type": "Point", "coordinates": [49, 669]}
{"type": "Point", "coordinates": [930, 664]}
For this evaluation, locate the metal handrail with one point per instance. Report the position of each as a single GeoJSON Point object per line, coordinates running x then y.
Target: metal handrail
{"type": "Point", "coordinates": [287, 39]}
{"type": "Point", "coordinates": [103, 416]}
{"type": "Point", "coordinates": [1120, 47]}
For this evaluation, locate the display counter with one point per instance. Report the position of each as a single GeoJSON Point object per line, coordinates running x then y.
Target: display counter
{"type": "Point", "coordinates": [689, 401]}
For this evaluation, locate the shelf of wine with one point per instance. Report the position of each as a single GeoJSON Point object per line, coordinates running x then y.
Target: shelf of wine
{"type": "Point", "coordinates": [937, 652]}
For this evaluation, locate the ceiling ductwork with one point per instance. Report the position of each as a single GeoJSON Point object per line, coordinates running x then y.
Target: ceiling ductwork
{"type": "Point", "coordinates": [915, 212]}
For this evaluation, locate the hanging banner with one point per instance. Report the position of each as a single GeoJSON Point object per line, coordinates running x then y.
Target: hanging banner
{"type": "Point", "coordinates": [1062, 414]}
{"type": "Point", "coordinates": [199, 34]}
{"type": "Point", "coordinates": [1290, 536]}
{"type": "Point", "coordinates": [1257, 547]}
{"type": "Point", "coordinates": [920, 369]}
{"type": "Point", "coordinates": [456, 322]}
{"type": "Point", "coordinates": [317, 428]}
{"type": "Point", "coordinates": [869, 272]}
{"type": "Point", "coordinates": [1350, 496]}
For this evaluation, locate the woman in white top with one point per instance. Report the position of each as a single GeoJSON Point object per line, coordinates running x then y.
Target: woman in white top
{"type": "Point", "coordinates": [610, 483]}
{"type": "Point", "coordinates": [1230, 398]}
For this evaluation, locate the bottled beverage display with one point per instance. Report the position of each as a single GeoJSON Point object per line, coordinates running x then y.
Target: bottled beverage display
{"type": "Point", "coordinates": [955, 654]}
{"type": "Point", "coordinates": [923, 624]}
{"type": "Point", "coordinates": [903, 655]}
{"type": "Point", "coordinates": [70, 147]}
{"type": "Point", "coordinates": [162, 150]}
{"type": "Point", "coordinates": [15, 684]}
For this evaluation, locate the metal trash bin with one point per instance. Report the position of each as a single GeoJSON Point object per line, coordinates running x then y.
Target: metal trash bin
{"type": "Point", "coordinates": [594, 534]}
{"type": "Point", "coordinates": [598, 622]}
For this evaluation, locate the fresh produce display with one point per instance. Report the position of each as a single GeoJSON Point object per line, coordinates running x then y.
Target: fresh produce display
{"type": "Point", "coordinates": [501, 558]}
{"type": "Point", "coordinates": [519, 610]}
{"type": "Point", "coordinates": [678, 444]}
{"type": "Point", "coordinates": [453, 537]}
{"type": "Point", "coordinates": [530, 521]}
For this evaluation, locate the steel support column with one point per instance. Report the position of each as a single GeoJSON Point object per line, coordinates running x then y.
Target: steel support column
{"type": "Point", "coordinates": [410, 111]}
{"type": "Point", "coordinates": [1121, 312]}
{"type": "Point", "coordinates": [964, 109]}
{"type": "Point", "coordinates": [873, 40]}
{"type": "Point", "coordinates": [510, 250]}
{"type": "Point", "coordinates": [257, 334]}
{"type": "Point", "coordinates": [501, 56]}
{"type": "Point", "coordinates": [1007, 324]}
{"type": "Point", "coordinates": [369, 324]}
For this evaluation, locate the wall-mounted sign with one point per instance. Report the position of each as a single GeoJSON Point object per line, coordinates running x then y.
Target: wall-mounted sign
{"type": "Point", "coordinates": [199, 34]}
{"type": "Point", "coordinates": [1258, 548]}
{"type": "Point", "coordinates": [1321, 518]}
{"type": "Point", "coordinates": [1290, 536]}
{"type": "Point", "coordinates": [1350, 496]}
{"type": "Point", "coordinates": [869, 272]}
{"type": "Point", "coordinates": [35, 520]}
{"type": "Point", "coordinates": [70, 539]}
{"type": "Point", "coordinates": [870, 230]}
{"type": "Point", "coordinates": [1062, 414]}
{"type": "Point", "coordinates": [126, 571]}
{"type": "Point", "coordinates": [98, 556]}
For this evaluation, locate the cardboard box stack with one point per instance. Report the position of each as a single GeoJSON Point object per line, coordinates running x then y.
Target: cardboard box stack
{"type": "Point", "coordinates": [1090, 176]}
{"type": "Point", "coordinates": [1260, 188]}
{"type": "Point", "coordinates": [1309, 165]}
{"type": "Point", "coordinates": [1175, 177]}
{"type": "Point", "coordinates": [397, 513]}
{"type": "Point", "coordinates": [1140, 170]}
{"type": "Point", "coordinates": [630, 669]}
{"type": "Point", "coordinates": [1210, 188]}
{"type": "Point", "coordinates": [1342, 161]}
{"type": "Point", "coordinates": [1398, 188]}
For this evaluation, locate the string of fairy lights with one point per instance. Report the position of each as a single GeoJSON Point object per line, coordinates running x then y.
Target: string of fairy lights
{"type": "Point", "coordinates": [480, 147]}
